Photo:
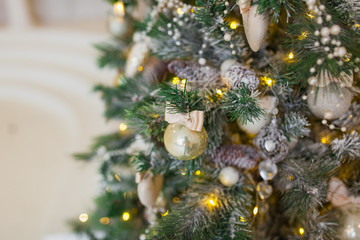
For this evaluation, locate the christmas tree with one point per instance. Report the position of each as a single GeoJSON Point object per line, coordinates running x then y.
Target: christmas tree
{"type": "Point", "coordinates": [237, 120]}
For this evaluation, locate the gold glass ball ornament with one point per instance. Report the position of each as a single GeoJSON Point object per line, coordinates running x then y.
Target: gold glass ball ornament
{"type": "Point", "coordinates": [183, 143]}
{"type": "Point", "coordinates": [329, 102]}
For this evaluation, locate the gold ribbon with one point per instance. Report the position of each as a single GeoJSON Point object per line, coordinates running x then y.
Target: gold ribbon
{"type": "Point", "coordinates": [339, 195]}
{"type": "Point", "coordinates": [193, 120]}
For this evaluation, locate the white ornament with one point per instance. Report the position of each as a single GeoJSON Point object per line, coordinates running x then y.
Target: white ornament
{"type": "Point", "coordinates": [227, 64]}
{"type": "Point", "coordinates": [255, 24]}
{"type": "Point", "coordinates": [269, 104]}
{"type": "Point", "coordinates": [137, 55]}
{"type": "Point", "coordinates": [351, 223]}
{"type": "Point", "coordinates": [341, 51]}
{"type": "Point", "coordinates": [324, 79]}
{"type": "Point", "coordinates": [117, 26]}
{"type": "Point", "coordinates": [264, 190]}
{"type": "Point", "coordinates": [312, 81]}
{"type": "Point", "coordinates": [202, 61]}
{"type": "Point", "coordinates": [269, 145]}
{"type": "Point", "coordinates": [325, 32]}
{"type": "Point", "coordinates": [330, 102]}
{"type": "Point", "coordinates": [268, 170]}
{"type": "Point", "coordinates": [148, 188]}
{"type": "Point", "coordinates": [335, 30]}
{"type": "Point", "coordinates": [229, 176]}
{"type": "Point", "coordinates": [325, 40]}
{"type": "Point", "coordinates": [227, 37]}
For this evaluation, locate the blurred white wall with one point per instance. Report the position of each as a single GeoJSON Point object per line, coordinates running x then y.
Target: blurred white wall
{"type": "Point", "coordinates": [48, 112]}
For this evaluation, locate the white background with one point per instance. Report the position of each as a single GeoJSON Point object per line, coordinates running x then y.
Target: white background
{"type": "Point", "coordinates": [48, 112]}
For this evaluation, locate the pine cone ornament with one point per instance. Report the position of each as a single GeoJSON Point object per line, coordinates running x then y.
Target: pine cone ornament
{"type": "Point", "coordinates": [236, 75]}
{"type": "Point", "coordinates": [239, 156]}
{"type": "Point", "coordinates": [198, 76]}
{"type": "Point", "coordinates": [273, 143]}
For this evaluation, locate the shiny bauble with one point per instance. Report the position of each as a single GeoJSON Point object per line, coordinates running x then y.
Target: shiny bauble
{"type": "Point", "coordinates": [351, 227]}
{"type": "Point", "coordinates": [268, 170]}
{"type": "Point", "coordinates": [269, 104]}
{"type": "Point", "coordinates": [117, 26]}
{"type": "Point", "coordinates": [324, 78]}
{"type": "Point", "coordinates": [149, 187]}
{"type": "Point", "coordinates": [330, 102]}
{"type": "Point", "coordinates": [264, 190]}
{"type": "Point", "coordinates": [183, 143]}
{"type": "Point", "coordinates": [229, 176]}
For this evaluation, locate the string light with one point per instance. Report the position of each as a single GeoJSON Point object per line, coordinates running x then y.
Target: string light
{"type": "Point", "coordinates": [104, 220]}
{"type": "Point", "coordinates": [126, 216]}
{"type": "Point", "coordinates": [357, 25]}
{"type": "Point", "coordinates": [140, 68]}
{"type": "Point", "coordinates": [123, 127]}
{"type": "Point", "coordinates": [83, 217]}
{"type": "Point", "coordinates": [180, 11]}
{"type": "Point", "coordinates": [310, 15]}
{"type": "Point", "coordinates": [183, 172]}
{"type": "Point", "coordinates": [219, 93]}
{"type": "Point", "coordinates": [347, 57]}
{"type": "Point", "coordinates": [325, 140]}
{"type": "Point", "coordinates": [256, 210]}
{"type": "Point", "coordinates": [233, 25]}
{"type": "Point", "coordinates": [303, 35]}
{"type": "Point", "coordinates": [176, 80]}
{"type": "Point", "coordinates": [211, 202]}
{"type": "Point", "coordinates": [165, 213]}
{"type": "Point", "coordinates": [119, 9]}
{"type": "Point", "coordinates": [242, 219]}
{"type": "Point", "coordinates": [198, 172]}
{"type": "Point", "coordinates": [291, 56]}
{"type": "Point", "coordinates": [291, 177]}
{"type": "Point", "coordinates": [301, 231]}
{"type": "Point", "coordinates": [268, 81]}
{"type": "Point", "coordinates": [118, 177]}
{"type": "Point", "coordinates": [176, 200]}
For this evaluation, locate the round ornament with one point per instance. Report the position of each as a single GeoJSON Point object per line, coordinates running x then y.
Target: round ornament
{"type": "Point", "coordinates": [236, 74]}
{"type": "Point", "coordinates": [323, 79]}
{"type": "Point", "coordinates": [268, 170]}
{"type": "Point", "coordinates": [117, 26]}
{"type": "Point", "coordinates": [269, 104]}
{"type": "Point", "coordinates": [351, 223]}
{"type": "Point", "coordinates": [273, 142]}
{"type": "Point", "coordinates": [329, 103]}
{"type": "Point", "coordinates": [183, 143]}
{"type": "Point", "coordinates": [264, 190]}
{"type": "Point", "coordinates": [229, 176]}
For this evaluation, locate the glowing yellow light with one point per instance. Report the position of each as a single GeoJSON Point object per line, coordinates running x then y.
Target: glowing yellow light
{"type": "Point", "coordinates": [119, 9]}
{"type": "Point", "coordinates": [233, 25]}
{"type": "Point", "coordinates": [301, 231]}
{"type": "Point", "coordinates": [140, 68]}
{"type": "Point", "coordinates": [268, 81]}
{"type": "Point", "coordinates": [357, 25]}
{"type": "Point", "coordinates": [183, 173]}
{"type": "Point", "coordinates": [155, 115]}
{"type": "Point", "coordinates": [165, 213]}
{"type": "Point", "coordinates": [123, 127]}
{"type": "Point", "coordinates": [291, 177]}
{"type": "Point", "coordinates": [83, 217]}
{"type": "Point", "coordinates": [211, 202]}
{"type": "Point", "coordinates": [118, 177]}
{"type": "Point", "coordinates": [325, 140]}
{"type": "Point", "coordinates": [256, 210]}
{"type": "Point", "coordinates": [104, 220]}
{"type": "Point", "coordinates": [183, 81]}
{"type": "Point", "coordinates": [180, 11]}
{"type": "Point", "coordinates": [310, 15]}
{"type": "Point", "coordinates": [176, 80]}
{"type": "Point", "coordinates": [291, 55]}
{"type": "Point", "coordinates": [242, 219]}
{"type": "Point", "coordinates": [219, 93]}
{"type": "Point", "coordinates": [176, 200]}
{"type": "Point", "coordinates": [198, 172]}
{"type": "Point", "coordinates": [303, 35]}
{"type": "Point", "coordinates": [126, 216]}
{"type": "Point", "coordinates": [346, 58]}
